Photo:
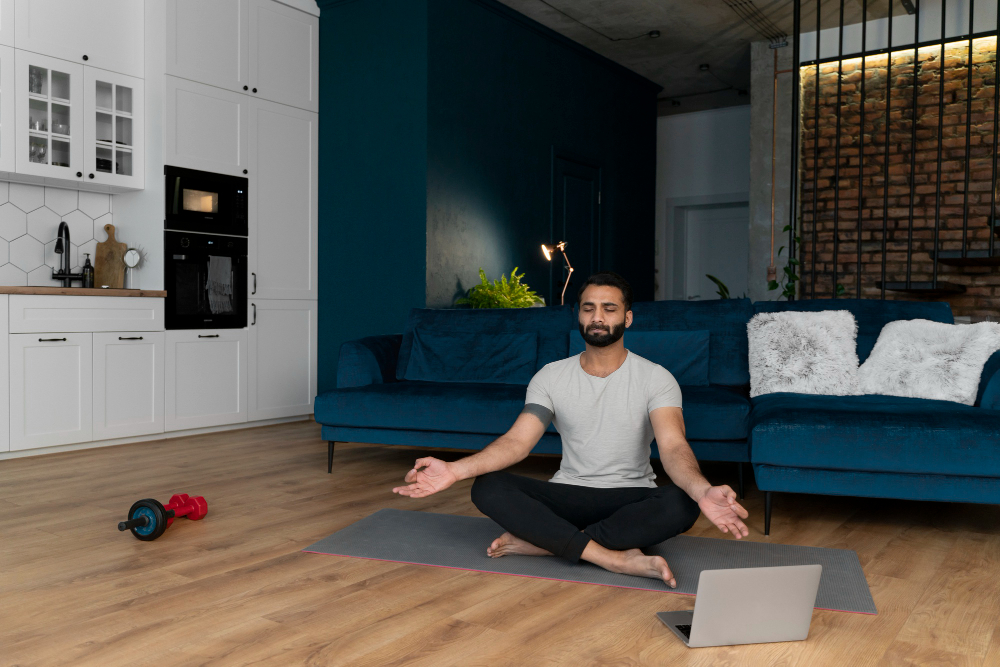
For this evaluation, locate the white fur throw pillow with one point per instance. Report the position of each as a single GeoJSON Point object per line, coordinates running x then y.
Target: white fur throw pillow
{"type": "Point", "coordinates": [805, 353]}
{"type": "Point", "coordinates": [924, 359]}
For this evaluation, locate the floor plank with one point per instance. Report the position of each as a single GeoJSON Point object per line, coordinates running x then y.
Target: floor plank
{"type": "Point", "coordinates": [236, 589]}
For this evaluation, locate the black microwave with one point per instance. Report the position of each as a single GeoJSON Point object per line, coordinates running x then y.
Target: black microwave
{"type": "Point", "coordinates": [200, 201]}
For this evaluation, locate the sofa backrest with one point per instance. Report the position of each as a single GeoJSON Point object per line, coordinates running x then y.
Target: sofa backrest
{"type": "Point", "coordinates": [724, 319]}
{"type": "Point", "coordinates": [551, 323]}
{"type": "Point", "coordinates": [870, 314]}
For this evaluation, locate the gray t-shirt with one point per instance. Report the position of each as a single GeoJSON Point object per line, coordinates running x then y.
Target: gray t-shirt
{"type": "Point", "coordinates": [604, 422]}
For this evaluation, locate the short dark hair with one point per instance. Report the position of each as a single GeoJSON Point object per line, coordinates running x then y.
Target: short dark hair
{"type": "Point", "coordinates": [609, 279]}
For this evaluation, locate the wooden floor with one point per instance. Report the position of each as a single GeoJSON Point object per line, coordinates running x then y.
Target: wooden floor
{"type": "Point", "coordinates": [236, 589]}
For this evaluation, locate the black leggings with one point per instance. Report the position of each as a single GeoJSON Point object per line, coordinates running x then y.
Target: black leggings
{"type": "Point", "coordinates": [552, 515]}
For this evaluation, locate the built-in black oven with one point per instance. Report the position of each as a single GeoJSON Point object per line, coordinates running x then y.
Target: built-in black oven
{"type": "Point", "coordinates": [206, 281]}
{"type": "Point", "coordinates": [200, 201]}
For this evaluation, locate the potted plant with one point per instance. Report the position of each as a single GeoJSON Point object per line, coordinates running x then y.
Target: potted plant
{"type": "Point", "coordinates": [501, 293]}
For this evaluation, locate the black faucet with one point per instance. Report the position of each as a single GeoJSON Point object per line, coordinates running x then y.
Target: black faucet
{"type": "Point", "coordinates": [63, 248]}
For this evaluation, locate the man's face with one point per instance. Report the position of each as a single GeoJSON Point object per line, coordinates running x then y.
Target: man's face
{"type": "Point", "coordinates": [603, 318]}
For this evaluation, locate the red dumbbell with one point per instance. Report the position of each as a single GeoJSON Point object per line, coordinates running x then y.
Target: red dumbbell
{"type": "Point", "coordinates": [148, 519]}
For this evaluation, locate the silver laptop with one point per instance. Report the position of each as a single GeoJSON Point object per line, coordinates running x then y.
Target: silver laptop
{"type": "Point", "coordinates": [748, 606]}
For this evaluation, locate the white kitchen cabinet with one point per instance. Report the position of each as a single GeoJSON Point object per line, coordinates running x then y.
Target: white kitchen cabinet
{"type": "Point", "coordinates": [262, 48]}
{"type": "Point", "coordinates": [128, 383]}
{"type": "Point", "coordinates": [113, 113]}
{"type": "Point", "coordinates": [49, 130]}
{"type": "Point", "coordinates": [35, 313]}
{"type": "Point", "coordinates": [101, 33]}
{"type": "Point", "coordinates": [282, 378]}
{"type": "Point", "coordinates": [206, 378]}
{"type": "Point", "coordinates": [4, 378]}
{"type": "Point", "coordinates": [208, 42]}
{"type": "Point", "coordinates": [8, 112]}
{"type": "Point", "coordinates": [283, 216]}
{"type": "Point", "coordinates": [7, 22]}
{"type": "Point", "coordinates": [51, 379]}
{"type": "Point", "coordinates": [206, 127]}
{"type": "Point", "coordinates": [284, 57]}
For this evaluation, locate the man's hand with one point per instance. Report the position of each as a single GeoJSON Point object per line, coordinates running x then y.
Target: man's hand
{"type": "Point", "coordinates": [720, 506]}
{"type": "Point", "coordinates": [429, 475]}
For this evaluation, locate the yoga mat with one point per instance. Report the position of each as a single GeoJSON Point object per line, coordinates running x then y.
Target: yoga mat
{"type": "Point", "coordinates": [445, 540]}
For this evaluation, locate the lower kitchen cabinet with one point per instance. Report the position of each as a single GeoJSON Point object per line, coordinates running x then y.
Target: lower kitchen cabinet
{"type": "Point", "coordinates": [4, 379]}
{"type": "Point", "coordinates": [206, 378]}
{"type": "Point", "coordinates": [128, 383]}
{"type": "Point", "coordinates": [51, 380]}
{"type": "Point", "coordinates": [282, 379]}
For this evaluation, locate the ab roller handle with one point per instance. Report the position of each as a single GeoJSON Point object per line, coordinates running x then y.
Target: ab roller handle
{"type": "Point", "coordinates": [148, 518]}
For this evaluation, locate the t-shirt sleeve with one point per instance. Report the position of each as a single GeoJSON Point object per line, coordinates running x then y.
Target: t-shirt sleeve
{"type": "Point", "coordinates": [663, 391]}
{"type": "Point", "coordinates": [538, 392]}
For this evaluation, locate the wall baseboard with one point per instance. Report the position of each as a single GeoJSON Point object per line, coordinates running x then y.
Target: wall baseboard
{"type": "Point", "coordinates": [152, 437]}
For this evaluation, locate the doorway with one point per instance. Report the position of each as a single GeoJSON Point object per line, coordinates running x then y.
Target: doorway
{"type": "Point", "coordinates": [715, 239]}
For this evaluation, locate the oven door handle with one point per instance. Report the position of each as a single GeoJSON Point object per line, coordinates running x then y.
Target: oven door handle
{"type": "Point", "coordinates": [254, 283]}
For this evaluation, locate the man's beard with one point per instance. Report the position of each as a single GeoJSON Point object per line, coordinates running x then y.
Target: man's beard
{"type": "Point", "coordinates": [603, 339]}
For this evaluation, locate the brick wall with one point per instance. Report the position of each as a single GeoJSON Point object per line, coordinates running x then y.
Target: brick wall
{"type": "Point", "coordinates": [982, 296]}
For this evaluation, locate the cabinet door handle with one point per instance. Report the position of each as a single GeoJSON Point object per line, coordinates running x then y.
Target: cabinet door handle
{"type": "Point", "coordinates": [50, 340]}
{"type": "Point", "coordinates": [254, 283]}
{"type": "Point", "coordinates": [85, 57]}
{"type": "Point", "coordinates": [255, 90]}
{"type": "Point", "coordinates": [209, 336]}
{"type": "Point", "coordinates": [90, 175]}
{"type": "Point", "coordinates": [130, 338]}
{"type": "Point", "coordinates": [246, 88]}
{"type": "Point", "coordinates": [254, 314]}
{"type": "Point", "coordinates": [79, 174]}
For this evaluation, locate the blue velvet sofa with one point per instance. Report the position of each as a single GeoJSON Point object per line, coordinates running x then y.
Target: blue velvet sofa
{"type": "Point", "coordinates": [879, 446]}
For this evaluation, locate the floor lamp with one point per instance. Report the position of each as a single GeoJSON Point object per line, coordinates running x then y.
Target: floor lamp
{"type": "Point", "coordinates": [548, 251]}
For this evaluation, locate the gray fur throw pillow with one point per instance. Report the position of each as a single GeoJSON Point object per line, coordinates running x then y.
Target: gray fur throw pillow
{"type": "Point", "coordinates": [925, 359]}
{"type": "Point", "coordinates": [805, 353]}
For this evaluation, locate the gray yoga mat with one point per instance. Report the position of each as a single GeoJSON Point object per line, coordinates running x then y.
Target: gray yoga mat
{"type": "Point", "coordinates": [445, 540]}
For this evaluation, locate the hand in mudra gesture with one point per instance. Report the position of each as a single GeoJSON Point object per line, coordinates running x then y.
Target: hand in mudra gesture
{"type": "Point", "coordinates": [720, 506]}
{"type": "Point", "coordinates": [429, 475]}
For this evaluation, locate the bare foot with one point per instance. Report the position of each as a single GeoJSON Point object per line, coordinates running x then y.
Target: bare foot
{"type": "Point", "coordinates": [508, 544]}
{"type": "Point", "coordinates": [635, 562]}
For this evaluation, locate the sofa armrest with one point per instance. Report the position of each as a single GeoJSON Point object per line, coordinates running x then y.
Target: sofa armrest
{"type": "Point", "coordinates": [988, 395]}
{"type": "Point", "coordinates": [370, 360]}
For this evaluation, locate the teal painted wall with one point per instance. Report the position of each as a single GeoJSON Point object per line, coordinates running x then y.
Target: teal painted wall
{"type": "Point", "coordinates": [372, 171]}
{"type": "Point", "coordinates": [505, 92]}
{"type": "Point", "coordinates": [438, 121]}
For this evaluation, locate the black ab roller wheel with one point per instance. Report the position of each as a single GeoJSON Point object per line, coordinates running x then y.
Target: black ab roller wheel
{"type": "Point", "coordinates": [147, 519]}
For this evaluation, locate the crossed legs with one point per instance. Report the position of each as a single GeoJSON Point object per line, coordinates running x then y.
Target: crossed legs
{"type": "Point", "coordinates": [607, 527]}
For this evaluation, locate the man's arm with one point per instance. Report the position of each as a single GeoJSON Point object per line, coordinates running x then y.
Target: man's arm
{"type": "Point", "coordinates": [430, 475]}
{"type": "Point", "coordinates": [718, 503]}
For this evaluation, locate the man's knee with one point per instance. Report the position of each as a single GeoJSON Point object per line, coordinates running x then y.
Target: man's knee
{"type": "Point", "coordinates": [489, 488]}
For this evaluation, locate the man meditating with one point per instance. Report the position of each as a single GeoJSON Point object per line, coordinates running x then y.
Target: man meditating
{"type": "Point", "coordinates": [603, 505]}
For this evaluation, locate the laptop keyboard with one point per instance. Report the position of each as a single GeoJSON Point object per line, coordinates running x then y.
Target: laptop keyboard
{"type": "Point", "coordinates": [685, 630]}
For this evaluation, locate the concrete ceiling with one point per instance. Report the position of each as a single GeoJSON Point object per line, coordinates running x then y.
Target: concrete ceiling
{"type": "Point", "coordinates": [692, 33]}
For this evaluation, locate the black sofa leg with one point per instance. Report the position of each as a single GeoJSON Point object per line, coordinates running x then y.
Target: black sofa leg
{"type": "Point", "coordinates": [329, 457]}
{"type": "Point", "coordinates": [739, 469]}
{"type": "Point", "coordinates": [767, 512]}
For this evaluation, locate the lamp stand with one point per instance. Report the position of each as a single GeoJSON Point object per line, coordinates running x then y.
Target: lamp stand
{"type": "Point", "coordinates": [562, 300]}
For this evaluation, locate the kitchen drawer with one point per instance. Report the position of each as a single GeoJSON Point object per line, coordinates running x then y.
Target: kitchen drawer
{"type": "Point", "coordinates": [58, 313]}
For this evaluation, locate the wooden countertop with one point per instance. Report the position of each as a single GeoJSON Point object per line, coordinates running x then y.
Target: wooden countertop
{"type": "Point", "coordinates": [81, 291]}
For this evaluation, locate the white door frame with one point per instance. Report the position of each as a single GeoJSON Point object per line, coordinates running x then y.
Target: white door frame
{"type": "Point", "coordinates": [671, 241]}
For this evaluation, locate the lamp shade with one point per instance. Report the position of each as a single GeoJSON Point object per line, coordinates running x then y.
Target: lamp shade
{"type": "Point", "coordinates": [547, 251]}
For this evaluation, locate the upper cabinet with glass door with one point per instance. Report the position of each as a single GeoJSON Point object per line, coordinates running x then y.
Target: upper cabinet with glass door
{"type": "Point", "coordinates": [114, 128]}
{"type": "Point", "coordinates": [100, 33]}
{"type": "Point", "coordinates": [49, 120]}
{"type": "Point", "coordinates": [8, 121]}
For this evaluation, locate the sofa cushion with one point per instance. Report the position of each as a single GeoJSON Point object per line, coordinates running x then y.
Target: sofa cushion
{"type": "Point", "coordinates": [725, 319]}
{"type": "Point", "coordinates": [874, 433]}
{"type": "Point", "coordinates": [684, 353]}
{"type": "Point", "coordinates": [870, 314]}
{"type": "Point", "coordinates": [550, 323]}
{"type": "Point", "coordinates": [805, 353]}
{"type": "Point", "coordinates": [444, 356]}
{"type": "Point", "coordinates": [710, 413]}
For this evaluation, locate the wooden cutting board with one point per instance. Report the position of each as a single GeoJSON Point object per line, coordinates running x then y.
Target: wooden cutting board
{"type": "Point", "coordinates": [109, 261]}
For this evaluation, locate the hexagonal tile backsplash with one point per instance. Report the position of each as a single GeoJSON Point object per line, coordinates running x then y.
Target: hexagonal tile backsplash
{"type": "Point", "coordinates": [29, 219]}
